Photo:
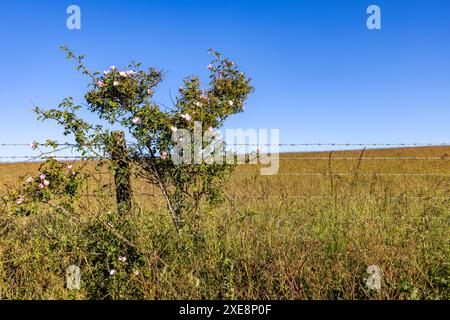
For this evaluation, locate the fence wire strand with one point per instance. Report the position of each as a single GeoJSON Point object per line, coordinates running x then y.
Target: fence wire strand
{"type": "Point", "coordinates": [74, 158]}
{"type": "Point", "coordinates": [283, 156]}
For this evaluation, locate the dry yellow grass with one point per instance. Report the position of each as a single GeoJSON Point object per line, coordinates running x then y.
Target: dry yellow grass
{"type": "Point", "coordinates": [307, 233]}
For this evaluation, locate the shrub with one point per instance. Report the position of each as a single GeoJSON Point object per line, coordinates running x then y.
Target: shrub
{"type": "Point", "coordinates": [124, 99]}
{"type": "Point", "coordinates": [57, 183]}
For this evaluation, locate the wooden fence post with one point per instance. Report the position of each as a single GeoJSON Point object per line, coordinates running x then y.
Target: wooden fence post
{"type": "Point", "coordinates": [119, 155]}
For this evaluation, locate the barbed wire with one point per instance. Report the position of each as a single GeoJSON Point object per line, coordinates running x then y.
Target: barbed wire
{"type": "Point", "coordinates": [305, 174]}
{"type": "Point", "coordinates": [254, 156]}
{"type": "Point", "coordinates": [307, 144]}
{"type": "Point", "coordinates": [267, 197]}
{"type": "Point", "coordinates": [49, 155]}
{"type": "Point", "coordinates": [283, 196]}
{"type": "Point", "coordinates": [366, 158]}
{"type": "Point", "coordinates": [284, 157]}
{"type": "Point", "coordinates": [316, 144]}
{"type": "Point", "coordinates": [444, 158]}
{"type": "Point", "coordinates": [372, 174]}
{"type": "Point", "coordinates": [55, 157]}
{"type": "Point", "coordinates": [39, 144]}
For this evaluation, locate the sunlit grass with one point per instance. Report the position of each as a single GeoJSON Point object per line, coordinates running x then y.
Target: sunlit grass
{"type": "Point", "coordinates": [289, 236]}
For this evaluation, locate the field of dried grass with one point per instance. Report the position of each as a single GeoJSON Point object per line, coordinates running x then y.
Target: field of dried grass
{"type": "Point", "coordinates": [309, 232]}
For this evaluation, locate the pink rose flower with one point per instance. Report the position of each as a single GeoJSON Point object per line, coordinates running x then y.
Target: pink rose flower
{"type": "Point", "coordinates": [30, 180]}
{"type": "Point", "coordinates": [20, 199]}
{"type": "Point", "coordinates": [137, 120]}
{"type": "Point", "coordinates": [186, 116]}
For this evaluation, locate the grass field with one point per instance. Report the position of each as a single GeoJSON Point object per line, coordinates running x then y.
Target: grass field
{"type": "Point", "coordinates": [309, 232]}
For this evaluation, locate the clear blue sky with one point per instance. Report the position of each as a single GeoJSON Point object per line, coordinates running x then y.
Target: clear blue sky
{"type": "Point", "coordinates": [320, 75]}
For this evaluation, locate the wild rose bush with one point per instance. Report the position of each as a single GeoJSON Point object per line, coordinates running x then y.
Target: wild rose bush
{"type": "Point", "coordinates": [124, 98]}
{"type": "Point", "coordinates": [57, 183]}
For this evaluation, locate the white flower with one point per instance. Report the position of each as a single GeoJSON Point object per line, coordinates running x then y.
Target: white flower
{"type": "Point", "coordinates": [69, 167]}
{"type": "Point", "coordinates": [112, 68]}
{"type": "Point", "coordinates": [136, 272]}
{"type": "Point", "coordinates": [186, 117]}
{"type": "Point", "coordinates": [173, 128]}
{"type": "Point", "coordinates": [106, 72]}
{"type": "Point", "coordinates": [149, 91]}
{"type": "Point", "coordinates": [46, 183]}
{"type": "Point", "coordinates": [137, 120]}
{"type": "Point", "coordinates": [116, 83]}
{"type": "Point", "coordinates": [20, 199]}
{"type": "Point", "coordinates": [112, 272]}
{"type": "Point", "coordinates": [198, 104]}
{"type": "Point", "coordinates": [210, 129]}
{"type": "Point", "coordinates": [130, 72]}
{"type": "Point", "coordinates": [122, 259]}
{"type": "Point", "coordinates": [230, 103]}
{"type": "Point", "coordinates": [123, 74]}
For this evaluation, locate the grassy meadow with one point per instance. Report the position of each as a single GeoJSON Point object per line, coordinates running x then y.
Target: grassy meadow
{"type": "Point", "coordinates": [309, 232]}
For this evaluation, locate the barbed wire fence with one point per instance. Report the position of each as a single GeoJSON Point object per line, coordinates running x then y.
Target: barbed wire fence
{"type": "Point", "coordinates": [289, 155]}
